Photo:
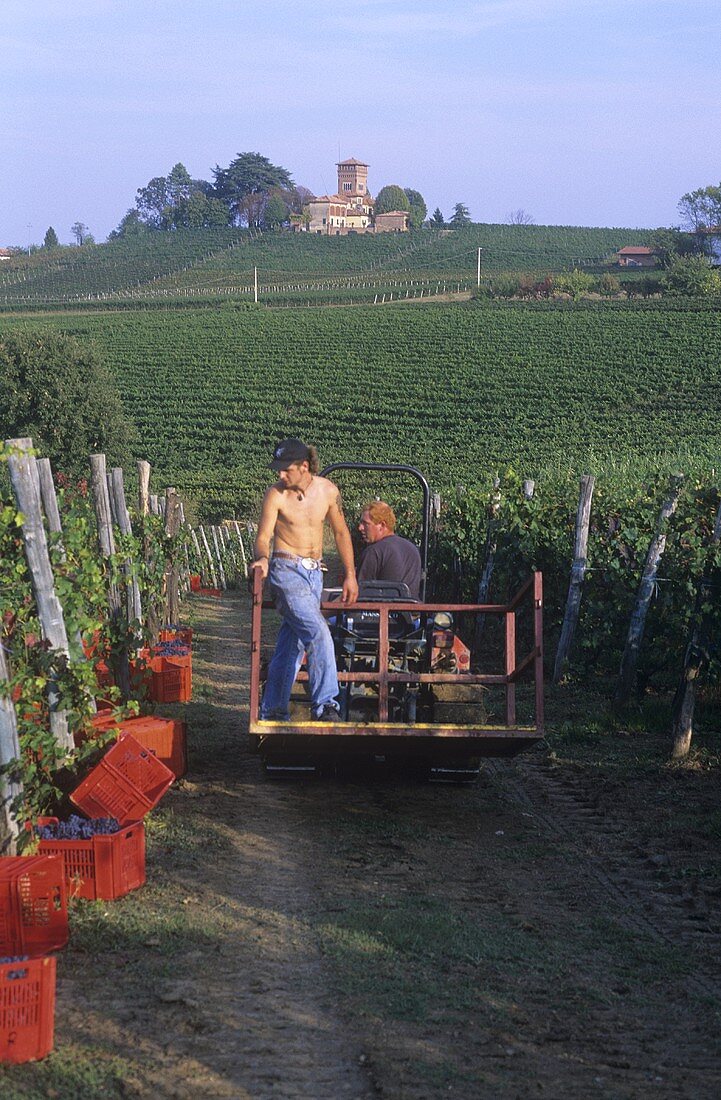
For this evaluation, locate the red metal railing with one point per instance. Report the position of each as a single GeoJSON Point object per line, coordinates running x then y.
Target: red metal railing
{"type": "Point", "coordinates": [514, 667]}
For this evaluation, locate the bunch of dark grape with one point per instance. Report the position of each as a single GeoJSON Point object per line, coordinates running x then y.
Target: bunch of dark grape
{"type": "Point", "coordinates": [14, 975]}
{"type": "Point", "coordinates": [176, 648]}
{"type": "Point", "coordinates": [78, 828]}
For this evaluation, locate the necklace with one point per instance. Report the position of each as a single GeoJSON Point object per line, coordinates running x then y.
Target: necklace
{"type": "Point", "coordinates": [301, 491]}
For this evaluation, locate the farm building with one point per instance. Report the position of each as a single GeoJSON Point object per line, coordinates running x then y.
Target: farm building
{"type": "Point", "coordinates": [394, 221]}
{"type": "Point", "coordinates": [637, 255]}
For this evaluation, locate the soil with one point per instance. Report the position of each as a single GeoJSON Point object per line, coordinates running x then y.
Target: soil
{"type": "Point", "coordinates": [551, 930]}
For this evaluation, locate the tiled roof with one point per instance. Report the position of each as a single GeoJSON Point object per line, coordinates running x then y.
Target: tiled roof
{"type": "Point", "coordinates": [350, 161]}
{"type": "Point", "coordinates": [636, 250]}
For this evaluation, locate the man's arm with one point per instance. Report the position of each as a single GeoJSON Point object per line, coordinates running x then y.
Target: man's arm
{"type": "Point", "coordinates": [345, 547]}
{"type": "Point", "coordinates": [266, 527]}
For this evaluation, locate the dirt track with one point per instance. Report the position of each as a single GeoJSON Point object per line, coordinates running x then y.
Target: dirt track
{"type": "Point", "coordinates": [525, 936]}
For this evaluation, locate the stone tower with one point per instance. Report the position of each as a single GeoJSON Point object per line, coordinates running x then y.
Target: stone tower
{"type": "Point", "coordinates": [352, 178]}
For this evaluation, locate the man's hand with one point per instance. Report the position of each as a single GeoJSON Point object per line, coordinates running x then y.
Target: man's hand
{"type": "Point", "coordinates": [350, 590]}
{"type": "Point", "coordinates": [260, 563]}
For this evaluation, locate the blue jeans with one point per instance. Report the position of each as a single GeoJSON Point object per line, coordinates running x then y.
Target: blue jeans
{"type": "Point", "coordinates": [297, 593]}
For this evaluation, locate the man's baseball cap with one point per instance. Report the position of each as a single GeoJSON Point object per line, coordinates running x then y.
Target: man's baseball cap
{"type": "Point", "coordinates": [287, 452]}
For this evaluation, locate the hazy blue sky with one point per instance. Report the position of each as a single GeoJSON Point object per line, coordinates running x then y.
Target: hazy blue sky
{"type": "Point", "coordinates": [581, 112]}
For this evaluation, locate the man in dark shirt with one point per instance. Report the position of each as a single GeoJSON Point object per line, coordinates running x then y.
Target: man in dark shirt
{"type": "Point", "coordinates": [387, 556]}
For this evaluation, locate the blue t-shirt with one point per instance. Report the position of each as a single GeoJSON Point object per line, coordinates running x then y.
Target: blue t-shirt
{"type": "Point", "coordinates": [392, 559]}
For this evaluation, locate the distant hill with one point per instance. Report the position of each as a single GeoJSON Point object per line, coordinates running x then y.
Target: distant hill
{"type": "Point", "coordinates": [221, 262]}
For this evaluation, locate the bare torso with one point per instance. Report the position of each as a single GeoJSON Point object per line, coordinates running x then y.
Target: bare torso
{"type": "Point", "coordinates": [300, 516]}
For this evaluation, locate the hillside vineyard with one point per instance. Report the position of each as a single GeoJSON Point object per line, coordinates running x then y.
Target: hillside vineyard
{"type": "Point", "coordinates": [457, 390]}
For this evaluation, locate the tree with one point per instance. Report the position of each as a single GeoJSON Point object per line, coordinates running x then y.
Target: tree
{"type": "Point", "coordinates": [575, 283]}
{"type": "Point", "coordinates": [437, 221]}
{"type": "Point", "coordinates": [298, 198]}
{"type": "Point", "coordinates": [670, 243]}
{"type": "Point", "coordinates": [51, 238]}
{"type": "Point", "coordinates": [131, 225]}
{"type": "Point", "coordinates": [460, 215]}
{"type": "Point", "coordinates": [176, 201]}
{"type": "Point", "coordinates": [391, 197]}
{"type": "Point", "coordinates": [520, 217]}
{"type": "Point", "coordinates": [418, 208]}
{"type": "Point", "coordinates": [81, 233]}
{"type": "Point", "coordinates": [693, 277]}
{"type": "Point", "coordinates": [55, 389]}
{"type": "Point", "coordinates": [205, 212]}
{"type": "Point", "coordinates": [701, 209]}
{"type": "Point", "coordinates": [275, 212]}
{"type": "Point", "coordinates": [152, 203]}
{"type": "Point", "coordinates": [245, 183]}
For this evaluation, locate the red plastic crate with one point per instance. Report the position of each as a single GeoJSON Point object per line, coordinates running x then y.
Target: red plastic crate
{"type": "Point", "coordinates": [182, 634]}
{"type": "Point", "coordinates": [217, 592]}
{"type": "Point", "coordinates": [195, 580]}
{"type": "Point", "coordinates": [126, 784]}
{"type": "Point", "coordinates": [33, 905]}
{"type": "Point", "coordinates": [172, 679]}
{"type": "Point", "coordinates": [103, 675]}
{"type": "Point", "coordinates": [27, 1009]}
{"type": "Point", "coordinates": [166, 738]}
{"type": "Point", "coordinates": [104, 867]}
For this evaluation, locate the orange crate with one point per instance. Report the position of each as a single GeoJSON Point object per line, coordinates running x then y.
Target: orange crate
{"type": "Point", "coordinates": [103, 674]}
{"type": "Point", "coordinates": [217, 592]}
{"type": "Point", "coordinates": [27, 1009]}
{"type": "Point", "coordinates": [182, 634]}
{"type": "Point", "coordinates": [126, 784]}
{"type": "Point", "coordinates": [33, 905]}
{"type": "Point", "coordinates": [172, 679]}
{"type": "Point", "coordinates": [104, 867]}
{"type": "Point", "coordinates": [166, 738]}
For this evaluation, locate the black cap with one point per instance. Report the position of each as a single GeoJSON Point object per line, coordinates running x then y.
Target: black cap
{"type": "Point", "coordinates": [287, 452]}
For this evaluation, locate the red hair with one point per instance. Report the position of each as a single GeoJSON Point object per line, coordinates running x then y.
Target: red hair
{"type": "Point", "coordinates": [380, 512]}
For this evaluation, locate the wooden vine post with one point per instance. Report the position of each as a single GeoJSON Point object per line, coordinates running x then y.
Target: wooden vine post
{"type": "Point", "coordinates": [26, 489]}
{"type": "Point", "coordinates": [694, 661]}
{"type": "Point", "coordinates": [52, 515]}
{"type": "Point", "coordinates": [578, 573]}
{"type": "Point", "coordinates": [629, 660]}
{"type": "Point", "coordinates": [144, 510]}
{"type": "Point", "coordinates": [211, 564]}
{"type": "Point", "coordinates": [219, 556]}
{"type": "Point", "coordinates": [242, 548]}
{"type": "Point", "coordinates": [106, 541]}
{"type": "Point", "coordinates": [132, 588]}
{"type": "Point", "coordinates": [198, 551]}
{"type": "Point", "coordinates": [10, 788]}
{"type": "Point", "coordinates": [185, 571]}
{"type": "Point", "coordinates": [489, 556]}
{"type": "Point", "coordinates": [172, 568]}
{"type": "Point", "coordinates": [143, 468]}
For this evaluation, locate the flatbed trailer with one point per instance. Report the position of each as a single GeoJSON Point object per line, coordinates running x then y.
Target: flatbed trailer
{"type": "Point", "coordinates": [435, 745]}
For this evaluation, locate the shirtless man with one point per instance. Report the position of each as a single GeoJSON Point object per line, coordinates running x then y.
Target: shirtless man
{"type": "Point", "coordinates": [293, 513]}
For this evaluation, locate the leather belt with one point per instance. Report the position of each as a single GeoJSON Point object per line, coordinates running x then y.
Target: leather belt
{"type": "Point", "coordinates": [307, 563]}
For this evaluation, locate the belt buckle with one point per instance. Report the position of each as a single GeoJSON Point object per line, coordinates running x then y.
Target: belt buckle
{"type": "Point", "coordinates": [309, 563]}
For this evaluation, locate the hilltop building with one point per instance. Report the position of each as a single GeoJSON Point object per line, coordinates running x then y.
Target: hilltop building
{"type": "Point", "coordinates": [637, 256]}
{"type": "Point", "coordinates": [350, 210]}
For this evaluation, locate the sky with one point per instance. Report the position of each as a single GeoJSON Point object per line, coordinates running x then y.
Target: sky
{"type": "Point", "coordinates": [578, 112]}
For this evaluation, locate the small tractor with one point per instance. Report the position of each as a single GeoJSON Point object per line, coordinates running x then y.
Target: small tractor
{"type": "Point", "coordinates": [412, 692]}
